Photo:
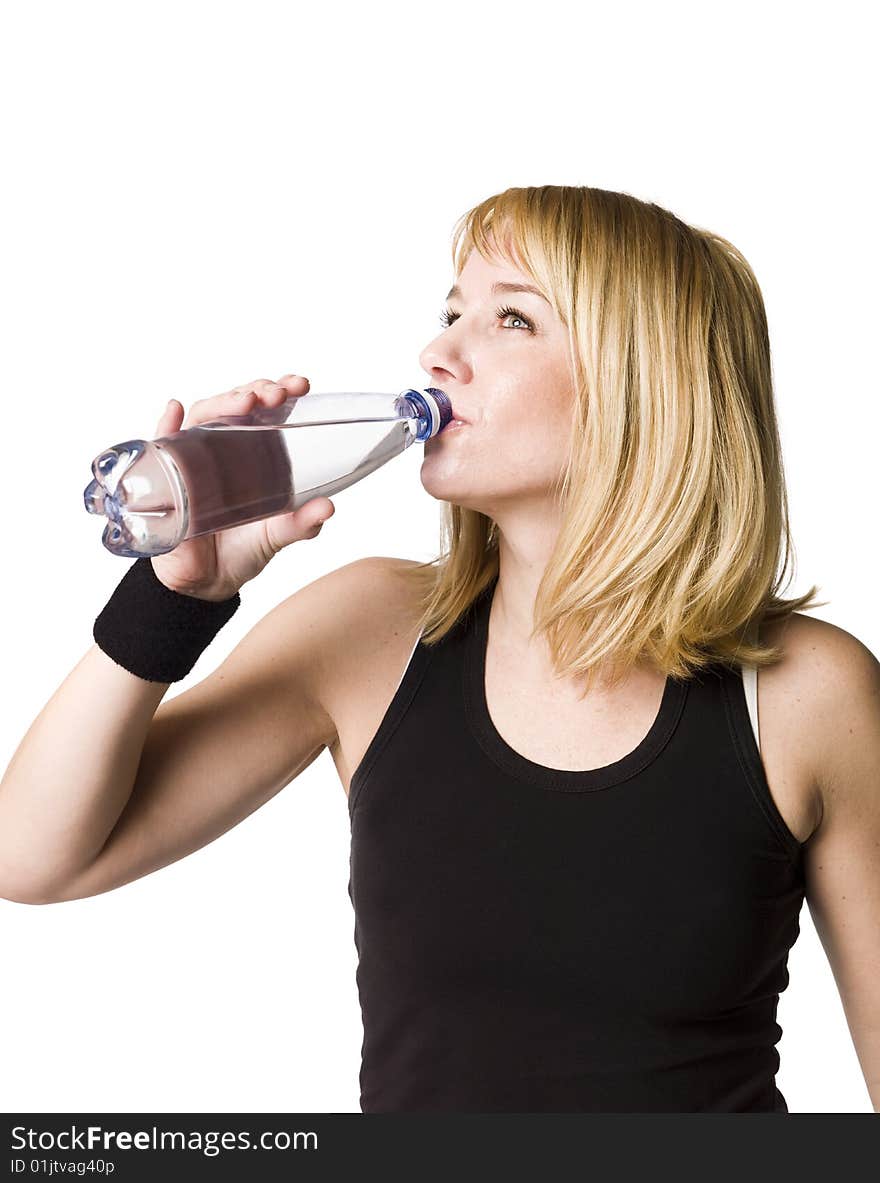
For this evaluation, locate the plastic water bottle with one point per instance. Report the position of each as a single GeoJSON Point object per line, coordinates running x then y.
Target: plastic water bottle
{"type": "Point", "coordinates": [241, 468]}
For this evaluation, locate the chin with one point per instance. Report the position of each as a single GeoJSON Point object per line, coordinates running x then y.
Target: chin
{"type": "Point", "coordinates": [460, 496]}
{"type": "Point", "coordinates": [444, 488]}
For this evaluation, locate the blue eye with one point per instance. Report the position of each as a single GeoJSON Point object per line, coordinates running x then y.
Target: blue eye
{"type": "Point", "coordinates": [505, 312]}
{"type": "Point", "coordinates": [448, 317]}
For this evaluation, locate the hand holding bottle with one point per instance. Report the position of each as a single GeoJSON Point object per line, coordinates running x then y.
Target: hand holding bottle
{"type": "Point", "coordinates": [215, 566]}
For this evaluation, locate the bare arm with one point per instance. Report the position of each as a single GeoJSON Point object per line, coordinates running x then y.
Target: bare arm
{"type": "Point", "coordinates": [94, 798]}
{"type": "Point", "coordinates": [842, 857]}
{"type": "Point", "coordinates": [72, 773]}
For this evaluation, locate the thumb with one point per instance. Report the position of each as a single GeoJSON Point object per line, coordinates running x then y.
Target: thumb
{"type": "Point", "coordinates": [171, 418]}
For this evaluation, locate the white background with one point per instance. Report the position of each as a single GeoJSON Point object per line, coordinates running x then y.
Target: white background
{"type": "Point", "coordinates": [201, 194]}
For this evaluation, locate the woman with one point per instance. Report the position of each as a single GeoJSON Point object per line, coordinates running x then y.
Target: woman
{"type": "Point", "coordinates": [577, 864]}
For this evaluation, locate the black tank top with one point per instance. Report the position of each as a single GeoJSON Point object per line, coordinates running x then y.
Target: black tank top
{"type": "Point", "coordinates": [541, 940]}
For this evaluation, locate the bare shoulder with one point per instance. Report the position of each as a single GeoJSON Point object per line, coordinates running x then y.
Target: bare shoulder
{"type": "Point", "coordinates": [819, 655]}
{"type": "Point", "coordinates": [365, 660]}
{"type": "Point", "coordinates": [376, 604]}
{"type": "Point", "coordinates": [827, 686]}
{"type": "Point", "coordinates": [363, 605]}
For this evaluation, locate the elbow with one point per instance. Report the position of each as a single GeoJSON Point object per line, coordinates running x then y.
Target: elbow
{"type": "Point", "coordinates": [22, 884]}
{"type": "Point", "coordinates": [23, 897]}
{"type": "Point", "coordinates": [22, 893]}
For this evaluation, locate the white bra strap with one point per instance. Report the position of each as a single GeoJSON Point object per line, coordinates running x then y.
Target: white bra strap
{"type": "Point", "coordinates": [750, 683]}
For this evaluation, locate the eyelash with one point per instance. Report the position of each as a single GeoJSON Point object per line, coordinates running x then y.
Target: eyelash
{"type": "Point", "coordinates": [448, 317]}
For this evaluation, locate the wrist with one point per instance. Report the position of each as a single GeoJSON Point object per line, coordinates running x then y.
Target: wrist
{"type": "Point", "coordinates": [154, 632]}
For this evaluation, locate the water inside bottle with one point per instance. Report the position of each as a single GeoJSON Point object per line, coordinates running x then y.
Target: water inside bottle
{"type": "Point", "coordinates": [241, 474]}
{"type": "Point", "coordinates": [238, 474]}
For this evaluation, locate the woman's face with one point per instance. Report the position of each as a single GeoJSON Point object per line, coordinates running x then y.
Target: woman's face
{"type": "Point", "coordinates": [508, 375]}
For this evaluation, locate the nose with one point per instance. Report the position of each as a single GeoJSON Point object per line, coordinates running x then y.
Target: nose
{"type": "Point", "coordinates": [429, 358]}
{"type": "Point", "coordinates": [438, 359]}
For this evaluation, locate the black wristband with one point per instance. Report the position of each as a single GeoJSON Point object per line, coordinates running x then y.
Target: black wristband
{"type": "Point", "coordinates": [155, 633]}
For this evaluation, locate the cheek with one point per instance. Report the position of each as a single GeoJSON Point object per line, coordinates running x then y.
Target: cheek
{"type": "Point", "coordinates": [537, 425]}
{"type": "Point", "coordinates": [534, 452]}
{"type": "Point", "coordinates": [526, 451]}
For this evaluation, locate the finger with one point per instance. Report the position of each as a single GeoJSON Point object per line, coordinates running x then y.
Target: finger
{"type": "Point", "coordinates": [242, 399]}
{"type": "Point", "coordinates": [324, 508]}
{"type": "Point", "coordinates": [264, 387]}
{"type": "Point", "coordinates": [304, 523]}
{"type": "Point", "coordinates": [238, 401]}
{"type": "Point", "coordinates": [314, 512]}
{"type": "Point", "coordinates": [294, 384]}
{"type": "Point", "coordinates": [234, 402]}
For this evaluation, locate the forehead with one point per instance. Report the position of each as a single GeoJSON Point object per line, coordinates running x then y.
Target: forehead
{"type": "Point", "coordinates": [478, 270]}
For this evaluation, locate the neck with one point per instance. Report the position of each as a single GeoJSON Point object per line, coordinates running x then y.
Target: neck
{"type": "Point", "coordinates": [522, 561]}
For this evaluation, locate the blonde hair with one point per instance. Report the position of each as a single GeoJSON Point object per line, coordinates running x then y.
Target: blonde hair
{"type": "Point", "coordinates": [674, 512]}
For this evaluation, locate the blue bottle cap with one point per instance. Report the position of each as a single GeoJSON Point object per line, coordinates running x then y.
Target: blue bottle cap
{"type": "Point", "coordinates": [434, 410]}
{"type": "Point", "coordinates": [444, 406]}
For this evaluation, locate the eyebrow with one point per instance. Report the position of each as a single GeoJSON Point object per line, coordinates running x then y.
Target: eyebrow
{"type": "Point", "coordinates": [455, 292]}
